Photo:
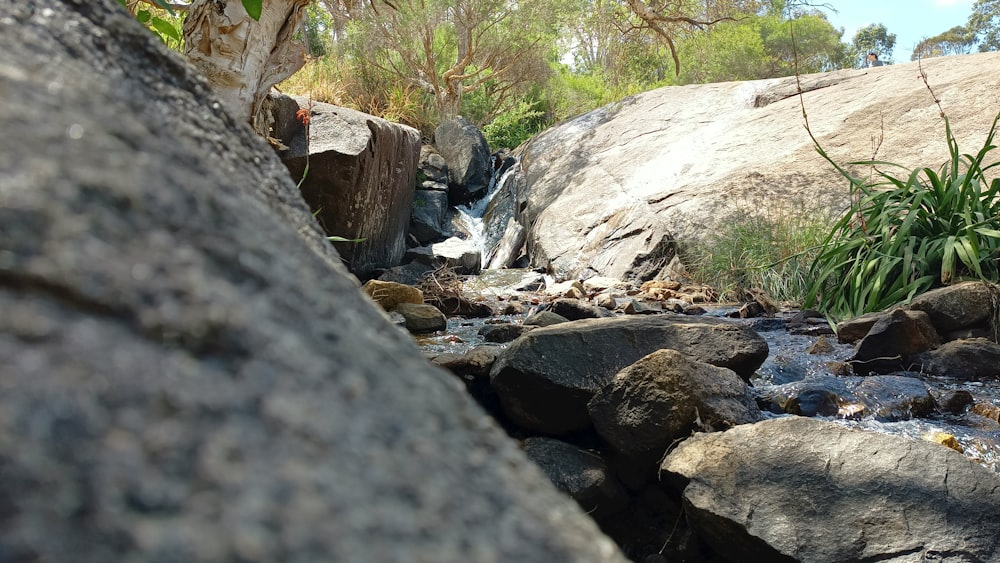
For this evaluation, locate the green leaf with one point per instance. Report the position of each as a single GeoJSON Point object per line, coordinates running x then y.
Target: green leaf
{"type": "Point", "coordinates": [143, 16]}
{"type": "Point", "coordinates": [165, 28]}
{"type": "Point", "coordinates": [253, 7]}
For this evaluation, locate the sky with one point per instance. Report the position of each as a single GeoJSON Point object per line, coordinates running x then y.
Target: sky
{"type": "Point", "coordinates": [910, 20]}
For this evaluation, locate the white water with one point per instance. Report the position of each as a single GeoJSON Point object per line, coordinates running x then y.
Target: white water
{"type": "Point", "coordinates": [470, 217]}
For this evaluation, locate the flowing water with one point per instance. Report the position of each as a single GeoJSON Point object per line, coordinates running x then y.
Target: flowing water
{"type": "Point", "coordinates": [790, 363]}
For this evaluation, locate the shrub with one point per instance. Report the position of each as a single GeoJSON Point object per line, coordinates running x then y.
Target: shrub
{"type": "Point", "coordinates": [909, 233]}
{"type": "Point", "coordinates": [513, 127]}
{"type": "Point", "coordinates": [770, 251]}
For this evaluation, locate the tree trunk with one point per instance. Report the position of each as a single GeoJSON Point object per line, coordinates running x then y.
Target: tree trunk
{"type": "Point", "coordinates": [243, 58]}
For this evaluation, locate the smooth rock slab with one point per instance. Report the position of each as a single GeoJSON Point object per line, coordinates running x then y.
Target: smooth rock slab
{"type": "Point", "coordinates": [546, 377]}
{"type": "Point", "coordinates": [802, 489]}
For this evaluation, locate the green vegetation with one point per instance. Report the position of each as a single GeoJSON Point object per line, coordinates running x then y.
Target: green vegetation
{"type": "Point", "coordinates": [907, 233]}
{"type": "Point", "coordinates": [874, 38]}
{"type": "Point", "coordinates": [771, 252]}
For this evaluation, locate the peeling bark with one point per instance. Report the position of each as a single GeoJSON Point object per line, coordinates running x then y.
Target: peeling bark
{"type": "Point", "coordinates": [242, 58]}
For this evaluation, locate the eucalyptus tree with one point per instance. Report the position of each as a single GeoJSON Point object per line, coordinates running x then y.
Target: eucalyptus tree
{"type": "Point", "coordinates": [984, 22]}
{"type": "Point", "coordinates": [958, 40]}
{"type": "Point", "coordinates": [873, 38]}
{"type": "Point", "coordinates": [450, 48]}
{"type": "Point", "coordinates": [761, 47]}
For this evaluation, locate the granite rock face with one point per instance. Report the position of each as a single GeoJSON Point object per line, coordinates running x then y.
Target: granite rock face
{"type": "Point", "coordinates": [607, 192]}
{"type": "Point", "coordinates": [189, 372]}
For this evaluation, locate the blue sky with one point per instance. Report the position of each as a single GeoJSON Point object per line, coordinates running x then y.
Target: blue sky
{"type": "Point", "coordinates": [910, 20]}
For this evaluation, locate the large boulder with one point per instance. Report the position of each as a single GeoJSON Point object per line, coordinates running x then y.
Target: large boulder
{"type": "Point", "coordinates": [429, 219]}
{"type": "Point", "coordinates": [608, 191]}
{"type": "Point", "coordinates": [972, 358]}
{"type": "Point", "coordinates": [546, 377]}
{"type": "Point", "coordinates": [800, 489]}
{"type": "Point", "coordinates": [189, 373]}
{"type": "Point", "coordinates": [892, 340]}
{"type": "Point", "coordinates": [663, 398]}
{"type": "Point", "coordinates": [468, 157]}
{"type": "Point", "coordinates": [957, 306]}
{"type": "Point", "coordinates": [360, 177]}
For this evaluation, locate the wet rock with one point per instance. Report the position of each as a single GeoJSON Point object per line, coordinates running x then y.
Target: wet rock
{"type": "Point", "coordinates": [422, 318]}
{"type": "Point", "coordinates": [468, 157]}
{"type": "Point", "coordinates": [531, 281]}
{"type": "Point", "coordinates": [954, 402]}
{"type": "Point", "coordinates": [987, 410]}
{"type": "Point", "coordinates": [581, 474]}
{"type": "Point", "coordinates": [575, 309]}
{"type": "Point", "coordinates": [800, 489]}
{"type": "Point", "coordinates": [429, 217]}
{"type": "Point", "coordinates": [892, 340]}
{"type": "Point", "coordinates": [504, 332]}
{"type": "Point", "coordinates": [895, 397]}
{"type": "Point", "coordinates": [509, 247]}
{"type": "Point", "coordinates": [390, 294]}
{"type": "Point", "coordinates": [663, 397]}
{"type": "Point", "coordinates": [546, 377]}
{"type": "Point", "coordinates": [820, 346]}
{"type": "Point", "coordinates": [885, 397]}
{"type": "Point", "coordinates": [190, 373]}
{"type": "Point", "coordinates": [816, 396]}
{"type": "Point", "coordinates": [460, 306]}
{"type": "Point", "coordinates": [853, 330]}
{"type": "Point", "coordinates": [957, 306]}
{"type": "Point", "coordinates": [945, 439]}
{"type": "Point", "coordinates": [975, 358]}
{"type": "Point", "coordinates": [349, 199]}
{"type": "Point", "coordinates": [459, 255]}
{"type": "Point", "coordinates": [544, 318]}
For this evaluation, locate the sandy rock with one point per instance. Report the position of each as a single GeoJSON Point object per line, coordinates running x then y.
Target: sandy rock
{"type": "Point", "coordinates": [390, 294]}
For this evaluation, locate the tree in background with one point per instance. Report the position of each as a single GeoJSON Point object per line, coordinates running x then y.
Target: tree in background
{"type": "Point", "coordinates": [450, 48]}
{"type": "Point", "coordinates": [761, 47]}
{"type": "Point", "coordinates": [874, 38]}
{"type": "Point", "coordinates": [958, 40]}
{"type": "Point", "coordinates": [984, 23]}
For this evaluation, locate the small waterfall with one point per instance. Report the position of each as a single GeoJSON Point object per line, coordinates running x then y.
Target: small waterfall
{"type": "Point", "coordinates": [471, 217]}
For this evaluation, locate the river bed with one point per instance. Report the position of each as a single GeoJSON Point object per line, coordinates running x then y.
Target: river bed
{"type": "Point", "coordinates": [789, 362]}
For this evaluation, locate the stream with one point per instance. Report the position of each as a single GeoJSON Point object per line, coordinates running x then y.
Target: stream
{"type": "Point", "coordinates": [788, 364]}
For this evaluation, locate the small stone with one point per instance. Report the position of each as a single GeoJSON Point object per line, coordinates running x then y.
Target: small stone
{"type": "Point", "coordinates": [820, 346]}
{"type": "Point", "coordinates": [945, 439]}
